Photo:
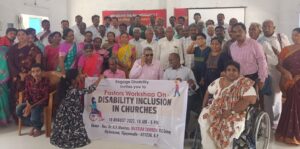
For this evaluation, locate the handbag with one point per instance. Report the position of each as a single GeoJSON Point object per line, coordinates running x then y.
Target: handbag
{"type": "Point", "coordinates": [267, 88]}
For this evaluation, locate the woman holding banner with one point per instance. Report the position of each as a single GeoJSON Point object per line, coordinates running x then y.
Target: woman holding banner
{"type": "Point", "coordinates": [68, 127]}
{"type": "Point", "coordinates": [224, 119]}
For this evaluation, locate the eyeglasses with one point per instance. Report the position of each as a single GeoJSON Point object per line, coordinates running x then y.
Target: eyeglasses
{"type": "Point", "coordinates": [148, 55]}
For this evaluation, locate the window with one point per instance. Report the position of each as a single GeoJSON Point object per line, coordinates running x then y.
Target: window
{"type": "Point", "coordinates": [32, 21]}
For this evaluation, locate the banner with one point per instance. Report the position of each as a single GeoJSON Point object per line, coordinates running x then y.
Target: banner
{"type": "Point", "coordinates": [137, 111]}
{"type": "Point", "coordinates": [182, 12]}
{"type": "Point", "coordinates": [125, 15]}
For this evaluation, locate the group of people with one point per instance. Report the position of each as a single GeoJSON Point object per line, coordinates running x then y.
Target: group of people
{"type": "Point", "coordinates": [217, 60]}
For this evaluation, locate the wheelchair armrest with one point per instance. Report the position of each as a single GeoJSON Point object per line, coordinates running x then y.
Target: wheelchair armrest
{"type": "Point", "coordinates": [51, 97]}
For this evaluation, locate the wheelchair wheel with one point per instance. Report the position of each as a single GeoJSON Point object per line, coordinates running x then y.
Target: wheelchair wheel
{"type": "Point", "coordinates": [262, 131]}
{"type": "Point", "coordinates": [197, 139]}
{"type": "Point", "coordinates": [93, 117]}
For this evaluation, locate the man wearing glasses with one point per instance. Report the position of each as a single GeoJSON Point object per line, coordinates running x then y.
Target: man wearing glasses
{"type": "Point", "coordinates": [146, 67]}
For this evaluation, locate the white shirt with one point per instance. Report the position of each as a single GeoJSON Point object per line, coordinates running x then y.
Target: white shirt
{"type": "Point", "coordinates": [45, 39]}
{"type": "Point", "coordinates": [188, 58]}
{"type": "Point", "coordinates": [153, 45]}
{"type": "Point", "coordinates": [114, 30]}
{"type": "Point", "coordinates": [138, 47]}
{"type": "Point", "coordinates": [226, 26]}
{"type": "Point", "coordinates": [184, 73]}
{"type": "Point", "coordinates": [75, 28]}
{"type": "Point", "coordinates": [104, 39]}
{"type": "Point", "coordinates": [94, 30]}
{"type": "Point", "coordinates": [268, 43]}
{"type": "Point", "coordinates": [79, 37]}
{"type": "Point", "coordinates": [166, 47]}
{"type": "Point", "coordinates": [128, 28]}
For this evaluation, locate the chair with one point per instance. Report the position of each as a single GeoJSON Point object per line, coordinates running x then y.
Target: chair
{"type": "Point", "coordinates": [54, 80]}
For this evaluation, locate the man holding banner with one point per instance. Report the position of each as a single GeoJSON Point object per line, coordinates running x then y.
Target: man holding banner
{"type": "Point", "coordinates": [137, 111]}
{"type": "Point", "coordinates": [178, 72]}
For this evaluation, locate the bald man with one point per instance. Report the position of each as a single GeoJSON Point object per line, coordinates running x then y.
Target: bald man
{"type": "Point", "coordinates": [169, 45]}
{"type": "Point", "coordinates": [272, 43]}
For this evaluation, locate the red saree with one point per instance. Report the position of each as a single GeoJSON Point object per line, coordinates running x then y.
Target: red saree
{"type": "Point", "coordinates": [288, 130]}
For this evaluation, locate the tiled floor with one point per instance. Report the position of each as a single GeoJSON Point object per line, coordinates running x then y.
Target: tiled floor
{"type": "Point", "coordinates": [9, 139]}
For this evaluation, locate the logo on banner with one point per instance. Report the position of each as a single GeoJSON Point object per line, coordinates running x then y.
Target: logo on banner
{"type": "Point", "coordinates": [95, 113]}
{"type": "Point", "coordinates": [177, 93]}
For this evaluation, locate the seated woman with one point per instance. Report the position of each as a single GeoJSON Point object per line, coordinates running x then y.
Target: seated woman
{"type": "Point", "coordinates": [224, 119]}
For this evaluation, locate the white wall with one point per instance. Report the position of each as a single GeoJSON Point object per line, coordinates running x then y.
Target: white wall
{"type": "Point", "coordinates": [87, 8]}
{"type": "Point", "coordinates": [289, 16]}
{"type": "Point", "coordinates": [56, 10]}
{"type": "Point", "coordinates": [256, 11]}
{"type": "Point", "coordinates": [284, 13]}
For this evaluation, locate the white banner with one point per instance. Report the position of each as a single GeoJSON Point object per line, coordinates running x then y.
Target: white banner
{"type": "Point", "coordinates": [137, 111]}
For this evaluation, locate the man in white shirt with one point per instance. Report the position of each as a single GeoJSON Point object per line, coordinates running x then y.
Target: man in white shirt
{"type": "Point", "coordinates": [150, 42]}
{"type": "Point", "coordinates": [136, 41]}
{"type": "Point", "coordinates": [186, 42]}
{"type": "Point", "coordinates": [255, 30]}
{"type": "Point", "coordinates": [79, 36]}
{"type": "Point", "coordinates": [103, 34]}
{"type": "Point", "coordinates": [221, 18]}
{"type": "Point", "coordinates": [178, 72]}
{"type": "Point", "coordinates": [95, 27]}
{"type": "Point", "coordinates": [272, 44]}
{"type": "Point", "coordinates": [78, 20]}
{"type": "Point", "coordinates": [64, 25]}
{"type": "Point", "coordinates": [159, 33]}
{"type": "Point", "coordinates": [197, 18]}
{"type": "Point", "coordinates": [107, 21]}
{"type": "Point", "coordinates": [210, 33]}
{"type": "Point", "coordinates": [43, 36]}
{"type": "Point", "coordinates": [146, 67]}
{"type": "Point", "coordinates": [114, 27]}
{"type": "Point", "coordinates": [220, 33]}
{"type": "Point", "coordinates": [168, 45]}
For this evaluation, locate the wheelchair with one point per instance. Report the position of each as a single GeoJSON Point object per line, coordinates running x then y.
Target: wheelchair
{"type": "Point", "coordinates": [256, 135]}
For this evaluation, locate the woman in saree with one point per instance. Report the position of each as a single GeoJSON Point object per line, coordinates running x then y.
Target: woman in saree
{"type": "Point", "coordinates": [4, 76]}
{"type": "Point", "coordinates": [32, 39]}
{"type": "Point", "coordinates": [111, 41]}
{"type": "Point", "coordinates": [90, 64]}
{"type": "Point", "coordinates": [51, 51]}
{"type": "Point", "coordinates": [67, 52]}
{"type": "Point", "coordinates": [288, 130]}
{"type": "Point", "coordinates": [223, 118]}
{"type": "Point", "coordinates": [107, 49]}
{"type": "Point", "coordinates": [125, 53]}
{"type": "Point", "coordinates": [20, 58]}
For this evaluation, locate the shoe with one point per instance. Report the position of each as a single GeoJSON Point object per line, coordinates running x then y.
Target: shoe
{"type": "Point", "coordinates": [37, 133]}
{"type": "Point", "coordinates": [31, 132]}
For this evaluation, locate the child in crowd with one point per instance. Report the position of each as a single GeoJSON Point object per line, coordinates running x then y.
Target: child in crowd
{"type": "Point", "coordinates": [68, 128]}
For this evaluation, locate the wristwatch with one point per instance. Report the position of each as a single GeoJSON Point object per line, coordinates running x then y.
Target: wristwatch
{"type": "Point", "coordinates": [232, 112]}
